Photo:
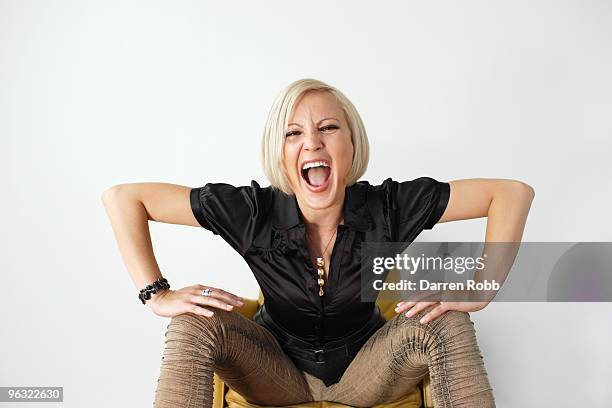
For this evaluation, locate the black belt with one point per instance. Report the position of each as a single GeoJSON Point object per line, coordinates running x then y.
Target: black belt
{"type": "Point", "coordinates": [328, 361]}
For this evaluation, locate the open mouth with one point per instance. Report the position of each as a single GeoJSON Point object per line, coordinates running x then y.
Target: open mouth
{"type": "Point", "coordinates": [316, 175]}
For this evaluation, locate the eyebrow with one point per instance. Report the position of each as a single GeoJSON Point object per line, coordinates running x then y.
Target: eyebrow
{"type": "Point", "coordinates": [296, 124]}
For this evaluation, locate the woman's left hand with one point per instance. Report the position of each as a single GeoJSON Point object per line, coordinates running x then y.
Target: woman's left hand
{"type": "Point", "coordinates": [413, 308]}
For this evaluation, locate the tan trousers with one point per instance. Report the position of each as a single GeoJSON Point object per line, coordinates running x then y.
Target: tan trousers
{"type": "Point", "coordinates": [250, 360]}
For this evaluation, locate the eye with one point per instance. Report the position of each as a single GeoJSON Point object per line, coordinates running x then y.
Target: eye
{"type": "Point", "coordinates": [323, 129]}
{"type": "Point", "coordinates": [329, 127]}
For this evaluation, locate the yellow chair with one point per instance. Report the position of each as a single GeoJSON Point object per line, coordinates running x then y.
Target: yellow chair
{"type": "Point", "coordinates": [226, 397]}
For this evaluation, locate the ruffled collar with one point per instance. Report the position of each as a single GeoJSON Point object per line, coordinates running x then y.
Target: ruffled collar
{"type": "Point", "coordinates": [356, 214]}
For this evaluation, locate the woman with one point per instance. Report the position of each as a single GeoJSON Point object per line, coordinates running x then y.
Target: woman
{"type": "Point", "coordinates": [314, 339]}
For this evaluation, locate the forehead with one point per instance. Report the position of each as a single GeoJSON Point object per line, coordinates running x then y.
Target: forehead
{"type": "Point", "coordinates": [316, 105]}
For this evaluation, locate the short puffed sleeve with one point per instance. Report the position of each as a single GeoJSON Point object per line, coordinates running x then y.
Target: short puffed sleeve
{"type": "Point", "coordinates": [415, 205]}
{"type": "Point", "coordinates": [231, 212]}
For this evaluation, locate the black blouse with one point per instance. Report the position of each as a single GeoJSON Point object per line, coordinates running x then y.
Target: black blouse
{"type": "Point", "coordinates": [265, 227]}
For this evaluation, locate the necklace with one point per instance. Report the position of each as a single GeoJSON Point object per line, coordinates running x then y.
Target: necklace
{"type": "Point", "coordinates": [321, 262]}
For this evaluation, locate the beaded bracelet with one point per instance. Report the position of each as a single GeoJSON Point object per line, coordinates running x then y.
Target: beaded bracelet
{"type": "Point", "coordinates": [145, 294]}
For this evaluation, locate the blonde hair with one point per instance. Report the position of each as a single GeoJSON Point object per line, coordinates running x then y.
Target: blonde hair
{"type": "Point", "coordinates": [276, 126]}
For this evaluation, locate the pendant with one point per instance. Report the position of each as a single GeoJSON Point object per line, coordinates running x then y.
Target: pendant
{"type": "Point", "coordinates": [321, 274]}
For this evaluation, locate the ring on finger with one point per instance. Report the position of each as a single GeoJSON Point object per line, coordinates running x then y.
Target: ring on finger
{"type": "Point", "coordinates": [207, 292]}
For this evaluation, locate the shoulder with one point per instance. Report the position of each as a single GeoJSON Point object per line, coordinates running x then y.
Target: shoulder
{"type": "Point", "coordinates": [390, 185]}
{"type": "Point", "coordinates": [237, 213]}
{"type": "Point", "coordinates": [388, 190]}
{"type": "Point", "coordinates": [227, 203]}
{"type": "Point", "coordinates": [253, 193]}
{"type": "Point", "coordinates": [418, 201]}
{"type": "Point", "coordinates": [419, 187]}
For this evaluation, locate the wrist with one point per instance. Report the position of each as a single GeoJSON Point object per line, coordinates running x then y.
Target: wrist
{"type": "Point", "coordinates": [155, 298]}
{"type": "Point", "coordinates": [148, 292]}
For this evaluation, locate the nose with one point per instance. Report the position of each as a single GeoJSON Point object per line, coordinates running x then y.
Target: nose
{"type": "Point", "coordinates": [313, 140]}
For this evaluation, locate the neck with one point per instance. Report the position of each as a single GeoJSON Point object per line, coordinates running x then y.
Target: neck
{"type": "Point", "coordinates": [322, 219]}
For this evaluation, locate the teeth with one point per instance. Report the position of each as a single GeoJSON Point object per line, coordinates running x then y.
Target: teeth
{"type": "Point", "coordinates": [314, 164]}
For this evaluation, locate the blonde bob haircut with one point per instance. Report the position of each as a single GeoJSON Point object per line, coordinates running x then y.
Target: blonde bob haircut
{"type": "Point", "coordinates": [276, 128]}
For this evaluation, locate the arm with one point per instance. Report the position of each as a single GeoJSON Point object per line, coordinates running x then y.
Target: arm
{"type": "Point", "coordinates": [129, 208]}
{"type": "Point", "coordinates": [504, 202]}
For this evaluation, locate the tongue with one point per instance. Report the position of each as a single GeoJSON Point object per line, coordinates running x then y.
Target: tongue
{"type": "Point", "coordinates": [317, 175]}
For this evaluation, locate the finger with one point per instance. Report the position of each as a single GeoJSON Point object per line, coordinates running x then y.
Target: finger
{"type": "Point", "coordinates": [418, 307]}
{"type": "Point", "coordinates": [198, 310]}
{"type": "Point", "coordinates": [433, 313]}
{"type": "Point", "coordinates": [225, 295]}
{"type": "Point", "coordinates": [216, 295]}
{"type": "Point", "coordinates": [402, 306]}
{"type": "Point", "coordinates": [210, 301]}
{"type": "Point", "coordinates": [405, 305]}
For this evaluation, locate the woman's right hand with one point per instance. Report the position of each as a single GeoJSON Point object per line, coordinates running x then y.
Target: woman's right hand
{"type": "Point", "coordinates": [170, 303]}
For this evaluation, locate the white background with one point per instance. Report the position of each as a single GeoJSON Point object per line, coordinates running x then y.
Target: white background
{"type": "Point", "coordinates": [96, 94]}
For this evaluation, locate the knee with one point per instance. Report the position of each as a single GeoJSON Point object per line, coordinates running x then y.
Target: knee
{"type": "Point", "coordinates": [198, 333]}
{"type": "Point", "coordinates": [451, 328]}
{"type": "Point", "coordinates": [451, 322]}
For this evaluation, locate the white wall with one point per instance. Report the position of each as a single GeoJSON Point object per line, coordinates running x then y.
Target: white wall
{"type": "Point", "coordinates": [98, 93]}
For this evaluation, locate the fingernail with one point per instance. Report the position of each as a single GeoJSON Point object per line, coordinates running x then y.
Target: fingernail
{"type": "Point", "coordinates": [399, 304]}
{"type": "Point", "coordinates": [229, 307]}
{"type": "Point", "coordinates": [423, 320]}
{"type": "Point", "coordinates": [209, 313]}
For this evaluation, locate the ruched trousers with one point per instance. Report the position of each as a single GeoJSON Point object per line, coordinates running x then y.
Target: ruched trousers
{"type": "Point", "coordinates": [250, 360]}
